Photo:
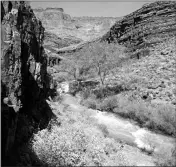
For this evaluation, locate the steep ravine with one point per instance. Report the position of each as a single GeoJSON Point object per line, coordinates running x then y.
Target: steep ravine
{"type": "Point", "coordinates": [24, 80]}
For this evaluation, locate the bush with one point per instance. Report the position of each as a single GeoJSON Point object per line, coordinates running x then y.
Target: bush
{"type": "Point", "coordinates": [109, 104]}
{"type": "Point", "coordinates": [163, 159]}
{"type": "Point", "coordinates": [90, 103]}
{"type": "Point", "coordinates": [165, 119]}
{"type": "Point", "coordinates": [85, 93]}
{"type": "Point", "coordinates": [104, 92]}
{"type": "Point", "coordinates": [57, 98]}
{"type": "Point", "coordinates": [160, 118]}
{"type": "Point", "coordinates": [74, 146]}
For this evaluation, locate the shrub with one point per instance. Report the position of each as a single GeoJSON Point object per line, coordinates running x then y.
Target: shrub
{"type": "Point", "coordinates": [109, 104]}
{"type": "Point", "coordinates": [105, 92]}
{"type": "Point", "coordinates": [74, 146]}
{"type": "Point", "coordinates": [160, 118]}
{"type": "Point", "coordinates": [165, 119]}
{"type": "Point", "coordinates": [57, 98]}
{"type": "Point", "coordinates": [163, 159]}
{"type": "Point", "coordinates": [85, 93]}
{"type": "Point", "coordinates": [156, 117]}
{"type": "Point", "coordinates": [90, 103]}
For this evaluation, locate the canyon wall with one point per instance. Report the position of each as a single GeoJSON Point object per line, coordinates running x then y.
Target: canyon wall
{"type": "Point", "coordinates": [145, 27]}
{"type": "Point", "coordinates": [24, 80]}
{"type": "Point", "coordinates": [52, 17]}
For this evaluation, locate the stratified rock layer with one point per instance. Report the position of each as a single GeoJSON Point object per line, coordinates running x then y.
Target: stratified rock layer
{"type": "Point", "coordinates": [24, 78]}
{"type": "Point", "coordinates": [52, 17]}
{"type": "Point", "coordinates": [145, 27]}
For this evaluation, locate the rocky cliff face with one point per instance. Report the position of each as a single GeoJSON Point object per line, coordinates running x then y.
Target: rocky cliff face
{"type": "Point", "coordinates": [52, 17]}
{"type": "Point", "coordinates": [145, 27]}
{"type": "Point", "coordinates": [24, 79]}
{"type": "Point", "coordinates": [62, 30]}
{"type": "Point", "coordinates": [149, 35]}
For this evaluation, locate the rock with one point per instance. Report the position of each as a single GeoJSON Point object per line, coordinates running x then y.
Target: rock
{"type": "Point", "coordinates": [162, 85]}
{"type": "Point", "coordinates": [146, 26]}
{"type": "Point", "coordinates": [173, 102]}
{"type": "Point", "coordinates": [159, 101]}
{"type": "Point", "coordinates": [24, 79]}
{"type": "Point", "coordinates": [52, 17]}
{"type": "Point", "coordinates": [62, 30]}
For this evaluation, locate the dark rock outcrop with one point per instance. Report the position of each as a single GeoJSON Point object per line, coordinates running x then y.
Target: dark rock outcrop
{"type": "Point", "coordinates": [145, 27]}
{"type": "Point", "coordinates": [24, 79]}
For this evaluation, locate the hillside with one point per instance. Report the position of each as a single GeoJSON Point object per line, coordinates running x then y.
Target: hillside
{"type": "Point", "coordinates": [145, 73]}
{"type": "Point", "coordinates": [137, 60]}
{"type": "Point", "coordinates": [88, 91]}
{"type": "Point", "coordinates": [149, 37]}
{"type": "Point", "coordinates": [141, 30]}
{"type": "Point", "coordinates": [71, 30]}
{"type": "Point", "coordinates": [145, 27]}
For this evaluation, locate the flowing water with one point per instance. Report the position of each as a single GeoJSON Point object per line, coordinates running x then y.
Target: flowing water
{"type": "Point", "coordinates": [131, 134]}
{"type": "Point", "coordinates": [126, 131]}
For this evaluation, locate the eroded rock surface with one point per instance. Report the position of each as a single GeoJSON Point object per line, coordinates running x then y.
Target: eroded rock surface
{"type": "Point", "coordinates": [145, 27]}
{"type": "Point", "coordinates": [62, 30]}
{"type": "Point", "coordinates": [24, 79]}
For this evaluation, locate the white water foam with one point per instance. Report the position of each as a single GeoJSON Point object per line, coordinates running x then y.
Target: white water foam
{"type": "Point", "coordinates": [141, 139]}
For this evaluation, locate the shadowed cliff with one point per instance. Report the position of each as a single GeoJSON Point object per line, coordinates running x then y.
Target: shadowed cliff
{"type": "Point", "coordinates": [24, 80]}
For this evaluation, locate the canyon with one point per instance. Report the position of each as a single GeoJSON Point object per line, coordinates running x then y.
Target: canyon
{"type": "Point", "coordinates": [35, 41]}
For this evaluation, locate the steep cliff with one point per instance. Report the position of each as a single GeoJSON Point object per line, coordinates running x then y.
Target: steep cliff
{"type": "Point", "coordinates": [62, 30]}
{"type": "Point", "coordinates": [52, 17]}
{"type": "Point", "coordinates": [145, 27]}
{"type": "Point", "coordinates": [24, 79]}
{"type": "Point", "coordinates": [149, 36]}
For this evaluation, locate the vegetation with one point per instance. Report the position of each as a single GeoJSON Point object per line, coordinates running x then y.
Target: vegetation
{"type": "Point", "coordinates": [160, 118]}
{"type": "Point", "coordinates": [97, 60]}
{"type": "Point", "coordinates": [100, 61]}
{"type": "Point", "coordinates": [103, 58]}
{"type": "Point", "coordinates": [71, 144]}
{"type": "Point", "coordinates": [75, 66]}
{"type": "Point", "coordinates": [163, 159]}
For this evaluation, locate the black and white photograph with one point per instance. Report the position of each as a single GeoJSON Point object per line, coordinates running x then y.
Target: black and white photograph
{"type": "Point", "coordinates": [88, 83]}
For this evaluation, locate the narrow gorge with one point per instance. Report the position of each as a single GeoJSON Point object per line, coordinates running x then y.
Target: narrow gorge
{"type": "Point", "coordinates": [56, 107]}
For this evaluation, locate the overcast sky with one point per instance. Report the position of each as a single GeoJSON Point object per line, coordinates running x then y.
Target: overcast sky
{"type": "Point", "coordinates": [104, 8]}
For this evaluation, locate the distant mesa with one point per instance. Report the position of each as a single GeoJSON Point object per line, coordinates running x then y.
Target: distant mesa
{"type": "Point", "coordinates": [38, 9]}
{"type": "Point", "coordinates": [55, 9]}
{"type": "Point", "coordinates": [48, 9]}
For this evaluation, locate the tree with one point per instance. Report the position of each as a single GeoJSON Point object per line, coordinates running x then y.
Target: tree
{"type": "Point", "coordinates": [75, 66]}
{"type": "Point", "coordinates": [103, 57]}
{"type": "Point", "coordinates": [95, 60]}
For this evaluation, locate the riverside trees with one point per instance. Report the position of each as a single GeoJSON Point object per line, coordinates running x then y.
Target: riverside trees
{"type": "Point", "coordinates": [95, 60]}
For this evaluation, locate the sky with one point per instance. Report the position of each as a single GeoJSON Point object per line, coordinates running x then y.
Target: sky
{"type": "Point", "coordinates": [112, 8]}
